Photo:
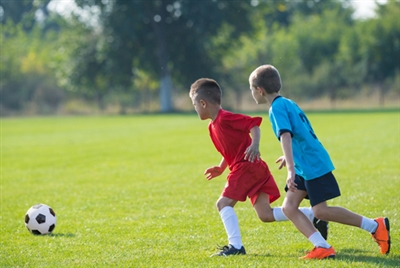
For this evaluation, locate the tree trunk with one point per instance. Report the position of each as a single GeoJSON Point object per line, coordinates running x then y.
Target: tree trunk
{"type": "Point", "coordinates": [381, 90]}
{"type": "Point", "coordinates": [332, 96]}
{"type": "Point", "coordinates": [165, 94]}
{"type": "Point", "coordinates": [162, 54]}
{"type": "Point", "coordinates": [100, 101]}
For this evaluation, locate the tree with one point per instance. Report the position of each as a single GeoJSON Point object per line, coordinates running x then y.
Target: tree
{"type": "Point", "coordinates": [382, 39]}
{"type": "Point", "coordinates": [23, 11]}
{"type": "Point", "coordinates": [27, 81]}
{"type": "Point", "coordinates": [282, 12]}
{"type": "Point", "coordinates": [303, 45]}
{"type": "Point", "coordinates": [168, 39]}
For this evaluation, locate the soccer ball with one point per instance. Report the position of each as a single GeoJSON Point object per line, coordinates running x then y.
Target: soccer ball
{"type": "Point", "coordinates": [40, 219]}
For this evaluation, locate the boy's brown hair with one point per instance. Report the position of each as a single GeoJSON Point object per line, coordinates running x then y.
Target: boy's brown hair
{"type": "Point", "coordinates": [266, 77]}
{"type": "Point", "coordinates": [207, 89]}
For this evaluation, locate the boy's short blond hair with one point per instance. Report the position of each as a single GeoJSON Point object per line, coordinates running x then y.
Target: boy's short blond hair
{"type": "Point", "coordinates": [207, 89]}
{"type": "Point", "coordinates": [266, 77]}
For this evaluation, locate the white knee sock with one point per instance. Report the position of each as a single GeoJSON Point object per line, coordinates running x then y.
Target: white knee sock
{"type": "Point", "coordinates": [318, 241]}
{"type": "Point", "coordinates": [279, 216]}
{"type": "Point", "coordinates": [368, 225]}
{"type": "Point", "coordinates": [308, 212]}
{"type": "Point", "coordinates": [231, 224]}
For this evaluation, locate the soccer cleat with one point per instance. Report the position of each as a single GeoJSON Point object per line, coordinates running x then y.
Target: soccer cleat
{"type": "Point", "coordinates": [230, 250]}
{"type": "Point", "coordinates": [320, 253]}
{"type": "Point", "coordinates": [322, 227]}
{"type": "Point", "coordinates": [382, 235]}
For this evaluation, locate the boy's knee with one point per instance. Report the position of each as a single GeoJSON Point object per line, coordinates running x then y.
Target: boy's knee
{"type": "Point", "coordinates": [319, 213]}
{"type": "Point", "coordinates": [265, 214]}
{"type": "Point", "coordinates": [224, 202]}
{"type": "Point", "coordinates": [288, 209]}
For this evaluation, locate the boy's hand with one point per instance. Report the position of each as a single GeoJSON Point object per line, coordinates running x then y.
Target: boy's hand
{"type": "Point", "coordinates": [252, 153]}
{"type": "Point", "coordinates": [213, 172]}
{"type": "Point", "coordinates": [282, 162]}
{"type": "Point", "coordinates": [292, 186]}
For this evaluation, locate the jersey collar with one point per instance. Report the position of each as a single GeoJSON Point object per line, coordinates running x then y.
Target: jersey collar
{"type": "Point", "coordinates": [277, 97]}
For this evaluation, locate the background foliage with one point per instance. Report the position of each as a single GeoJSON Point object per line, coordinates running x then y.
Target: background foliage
{"type": "Point", "coordinates": [142, 56]}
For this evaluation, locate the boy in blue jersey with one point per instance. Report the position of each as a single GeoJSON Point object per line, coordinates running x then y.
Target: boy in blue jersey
{"type": "Point", "coordinates": [309, 168]}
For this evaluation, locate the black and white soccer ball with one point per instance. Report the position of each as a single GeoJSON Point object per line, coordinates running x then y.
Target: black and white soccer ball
{"type": "Point", "coordinates": [40, 219]}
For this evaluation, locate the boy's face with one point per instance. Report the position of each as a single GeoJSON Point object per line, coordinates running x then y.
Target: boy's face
{"type": "Point", "coordinates": [257, 93]}
{"type": "Point", "coordinates": [200, 107]}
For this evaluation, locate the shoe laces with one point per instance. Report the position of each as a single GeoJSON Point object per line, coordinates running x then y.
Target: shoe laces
{"type": "Point", "coordinates": [314, 249]}
{"type": "Point", "coordinates": [223, 248]}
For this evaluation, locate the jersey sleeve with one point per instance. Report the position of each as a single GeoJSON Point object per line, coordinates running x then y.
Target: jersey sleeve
{"type": "Point", "coordinates": [279, 117]}
{"type": "Point", "coordinates": [243, 122]}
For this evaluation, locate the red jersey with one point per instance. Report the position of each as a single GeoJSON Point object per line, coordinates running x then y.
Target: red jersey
{"type": "Point", "coordinates": [230, 134]}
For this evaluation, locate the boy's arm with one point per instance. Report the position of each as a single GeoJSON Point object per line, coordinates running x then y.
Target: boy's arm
{"type": "Point", "coordinates": [215, 171]}
{"type": "Point", "coordinates": [252, 153]}
{"type": "Point", "coordinates": [223, 164]}
{"type": "Point", "coordinates": [286, 144]}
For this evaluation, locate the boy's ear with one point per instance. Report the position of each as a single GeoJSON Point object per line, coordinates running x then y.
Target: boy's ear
{"type": "Point", "coordinates": [261, 90]}
{"type": "Point", "coordinates": [203, 103]}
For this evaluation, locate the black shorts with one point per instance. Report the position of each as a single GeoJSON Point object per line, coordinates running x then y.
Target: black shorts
{"type": "Point", "coordinates": [318, 190]}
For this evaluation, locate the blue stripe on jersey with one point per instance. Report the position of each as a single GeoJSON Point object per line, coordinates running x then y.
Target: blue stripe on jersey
{"type": "Point", "coordinates": [310, 157]}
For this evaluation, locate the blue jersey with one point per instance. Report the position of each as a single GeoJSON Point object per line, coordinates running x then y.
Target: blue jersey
{"type": "Point", "coordinates": [311, 160]}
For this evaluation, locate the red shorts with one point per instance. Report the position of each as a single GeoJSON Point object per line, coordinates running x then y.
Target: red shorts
{"type": "Point", "coordinates": [248, 179]}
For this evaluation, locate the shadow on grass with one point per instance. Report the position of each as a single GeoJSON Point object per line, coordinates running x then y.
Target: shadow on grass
{"type": "Point", "coordinates": [354, 255]}
{"type": "Point", "coordinates": [259, 255]}
{"type": "Point", "coordinates": [61, 235]}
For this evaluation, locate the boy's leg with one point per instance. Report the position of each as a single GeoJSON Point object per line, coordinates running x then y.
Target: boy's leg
{"type": "Point", "coordinates": [267, 214]}
{"type": "Point", "coordinates": [379, 227]}
{"type": "Point", "coordinates": [290, 207]}
{"type": "Point", "coordinates": [337, 214]}
{"type": "Point", "coordinates": [321, 249]}
{"type": "Point", "coordinates": [325, 188]}
{"type": "Point", "coordinates": [263, 208]}
{"type": "Point", "coordinates": [321, 225]}
{"type": "Point", "coordinates": [229, 219]}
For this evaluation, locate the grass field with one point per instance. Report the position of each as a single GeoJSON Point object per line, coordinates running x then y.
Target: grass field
{"type": "Point", "coordinates": [130, 192]}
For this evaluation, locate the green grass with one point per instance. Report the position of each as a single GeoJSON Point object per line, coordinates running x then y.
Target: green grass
{"type": "Point", "coordinates": [129, 192]}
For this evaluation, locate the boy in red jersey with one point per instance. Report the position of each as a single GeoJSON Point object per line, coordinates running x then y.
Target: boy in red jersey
{"type": "Point", "coordinates": [249, 175]}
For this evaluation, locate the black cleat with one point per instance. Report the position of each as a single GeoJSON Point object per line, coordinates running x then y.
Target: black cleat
{"type": "Point", "coordinates": [322, 227]}
{"type": "Point", "coordinates": [230, 250]}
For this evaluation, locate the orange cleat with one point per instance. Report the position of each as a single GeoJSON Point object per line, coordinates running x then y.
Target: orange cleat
{"type": "Point", "coordinates": [320, 253]}
{"type": "Point", "coordinates": [382, 235]}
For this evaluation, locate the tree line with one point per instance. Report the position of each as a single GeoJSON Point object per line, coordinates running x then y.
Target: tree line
{"type": "Point", "coordinates": [132, 54]}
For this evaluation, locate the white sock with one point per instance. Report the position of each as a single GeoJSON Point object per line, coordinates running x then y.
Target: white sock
{"type": "Point", "coordinates": [318, 241]}
{"type": "Point", "coordinates": [279, 216]}
{"type": "Point", "coordinates": [308, 212]}
{"type": "Point", "coordinates": [231, 224]}
{"type": "Point", "coordinates": [368, 225]}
